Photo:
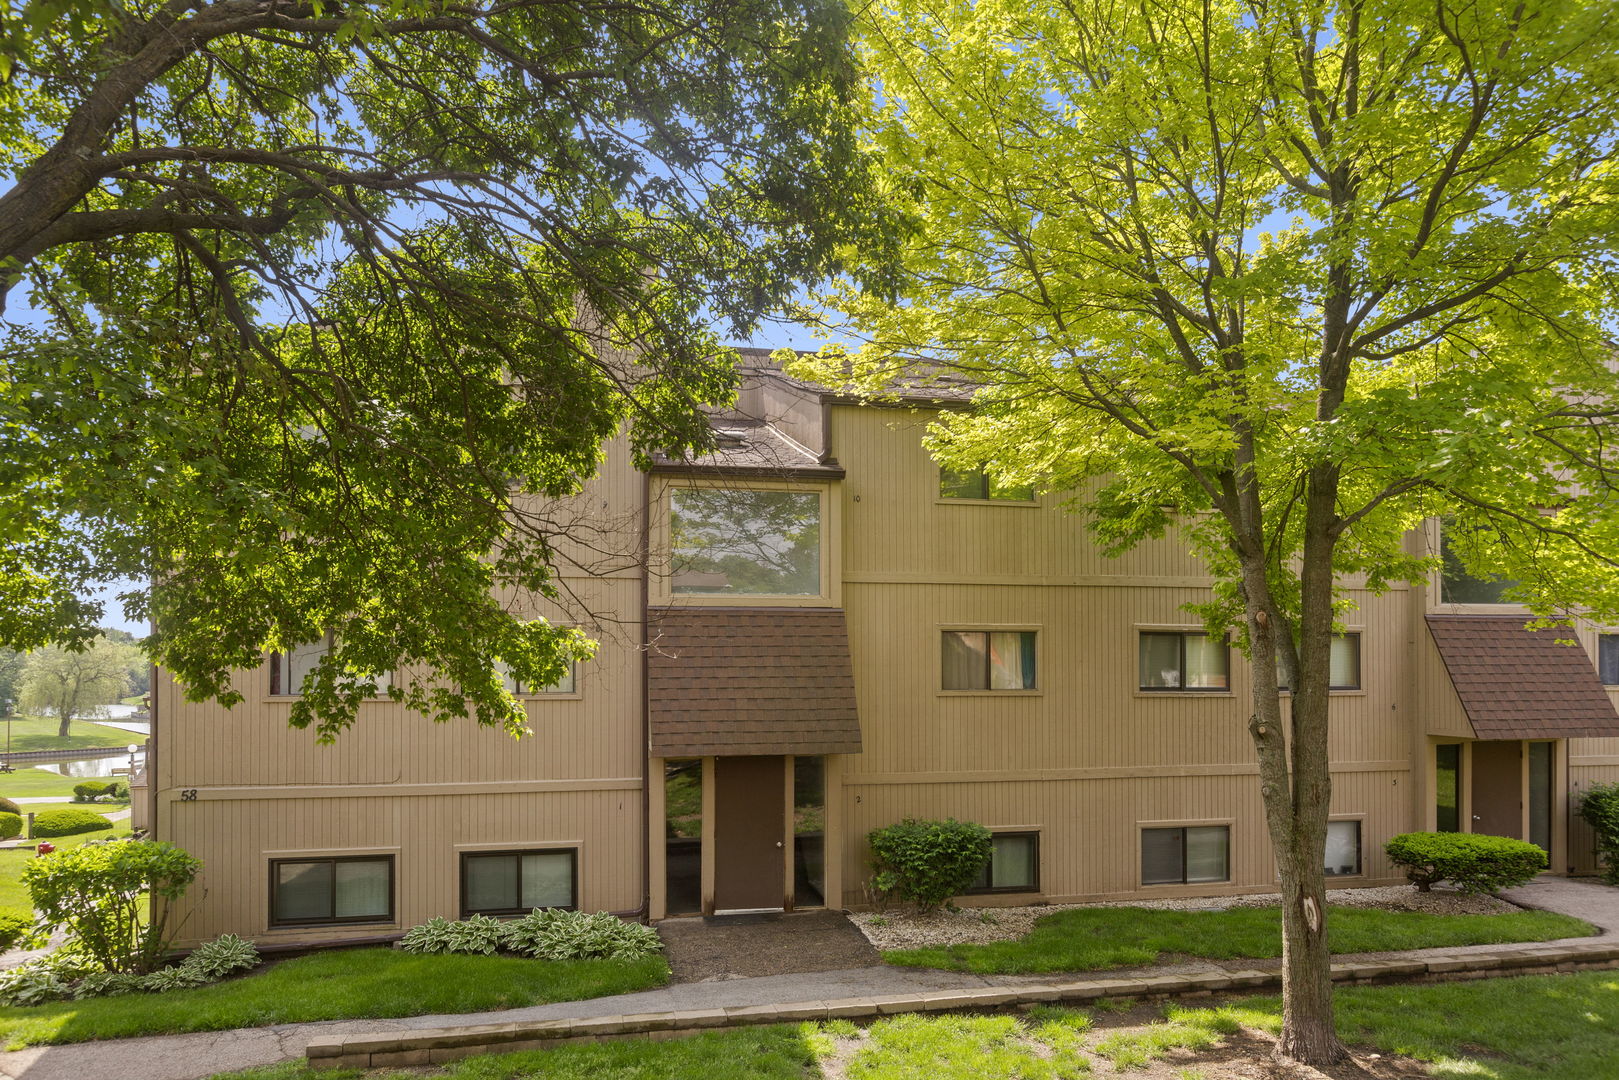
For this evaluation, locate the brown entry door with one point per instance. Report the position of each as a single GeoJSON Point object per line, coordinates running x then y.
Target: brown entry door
{"type": "Point", "coordinates": [1498, 788]}
{"type": "Point", "coordinates": [749, 823]}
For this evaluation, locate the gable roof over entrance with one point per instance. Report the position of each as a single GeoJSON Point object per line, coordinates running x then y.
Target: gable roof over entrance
{"type": "Point", "coordinates": [1516, 683]}
{"type": "Point", "coordinates": [732, 681]}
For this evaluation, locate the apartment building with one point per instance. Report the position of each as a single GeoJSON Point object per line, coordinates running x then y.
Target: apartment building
{"type": "Point", "coordinates": [827, 634]}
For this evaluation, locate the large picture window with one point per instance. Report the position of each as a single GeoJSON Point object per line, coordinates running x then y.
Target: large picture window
{"type": "Point", "coordinates": [1458, 586]}
{"type": "Point", "coordinates": [1013, 866]}
{"type": "Point", "coordinates": [338, 890]}
{"type": "Point", "coordinates": [739, 542]}
{"type": "Point", "coordinates": [988, 660]}
{"type": "Point", "coordinates": [517, 882]}
{"type": "Point", "coordinates": [1186, 855]}
{"type": "Point", "coordinates": [1184, 660]}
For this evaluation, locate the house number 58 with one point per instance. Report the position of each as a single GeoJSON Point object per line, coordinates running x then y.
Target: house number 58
{"type": "Point", "coordinates": [188, 794]}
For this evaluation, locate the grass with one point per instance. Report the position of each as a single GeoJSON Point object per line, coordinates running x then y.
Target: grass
{"type": "Point", "coordinates": [1497, 1029]}
{"type": "Point", "coordinates": [333, 985]}
{"type": "Point", "coordinates": [13, 896]}
{"type": "Point", "coordinates": [32, 783]}
{"type": "Point", "coordinates": [1096, 938]}
{"type": "Point", "coordinates": [39, 733]}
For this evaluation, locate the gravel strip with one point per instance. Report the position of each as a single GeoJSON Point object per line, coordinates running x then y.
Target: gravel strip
{"type": "Point", "coordinates": [897, 929]}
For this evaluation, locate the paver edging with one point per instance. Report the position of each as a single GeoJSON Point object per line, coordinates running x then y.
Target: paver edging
{"type": "Point", "coordinates": [439, 1045]}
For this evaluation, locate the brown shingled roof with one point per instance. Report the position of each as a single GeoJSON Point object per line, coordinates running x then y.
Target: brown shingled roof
{"type": "Point", "coordinates": [1522, 684]}
{"type": "Point", "coordinates": [750, 681]}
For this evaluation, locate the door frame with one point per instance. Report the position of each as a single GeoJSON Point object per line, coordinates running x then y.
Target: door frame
{"type": "Point", "coordinates": [1560, 809]}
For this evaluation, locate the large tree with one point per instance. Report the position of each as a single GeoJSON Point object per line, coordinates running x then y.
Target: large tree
{"type": "Point", "coordinates": [1289, 277]}
{"type": "Point", "coordinates": [71, 685]}
{"type": "Point", "coordinates": [326, 303]}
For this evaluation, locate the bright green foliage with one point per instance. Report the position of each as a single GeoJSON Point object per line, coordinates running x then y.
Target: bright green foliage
{"type": "Point", "coordinates": [1094, 939]}
{"type": "Point", "coordinates": [332, 303]}
{"type": "Point", "coordinates": [479, 935]}
{"type": "Point", "coordinates": [1473, 862]}
{"type": "Point", "coordinates": [1599, 807]}
{"type": "Point", "coordinates": [224, 955]}
{"type": "Point", "coordinates": [89, 790]}
{"type": "Point", "coordinates": [548, 934]}
{"type": "Point", "coordinates": [9, 807]}
{"type": "Point", "coordinates": [927, 862]}
{"type": "Point", "coordinates": [10, 826]}
{"type": "Point", "coordinates": [98, 893]}
{"type": "Point", "coordinates": [1289, 280]}
{"type": "Point", "coordinates": [73, 683]}
{"type": "Point", "coordinates": [13, 925]}
{"type": "Point", "coordinates": [68, 821]}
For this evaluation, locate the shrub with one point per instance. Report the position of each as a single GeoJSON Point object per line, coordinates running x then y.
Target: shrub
{"type": "Point", "coordinates": [14, 926]}
{"type": "Point", "coordinates": [478, 935]}
{"type": "Point", "coordinates": [96, 892]}
{"type": "Point", "coordinates": [32, 984]}
{"type": "Point", "coordinates": [548, 934]}
{"type": "Point", "coordinates": [10, 826]}
{"type": "Point", "coordinates": [118, 789]}
{"type": "Point", "coordinates": [68, 821]}
{"type": "Point", "coordinates": [928, 862]}
{"type": "Point", "coordinates": [89, 790]}
{"type": "Point", "coordinates": [224, 955]}
{"type": "Point", "coordinates": [1599, 806]}
{"type": "Point", "coordinates": [9, 807]}
{"type": "Point", "coordinates": [1474, 863]}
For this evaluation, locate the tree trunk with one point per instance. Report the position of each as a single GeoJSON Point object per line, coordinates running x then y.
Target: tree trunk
{"type": "Point", "coordinates": [64, 723]}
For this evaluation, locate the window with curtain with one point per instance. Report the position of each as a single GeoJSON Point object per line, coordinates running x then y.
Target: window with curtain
{"type": "Point", "coordinates": [350, 889]}
{"type": "Point", "coordinates": [988, 660]}
{"type": "Point", "coordinates": [1343, 664]}
{"type": "Point", "coordinates": [1343, 848]}
{"type": "Point", "coordinates": [517, 882]}
{"type": "Point", "coordinates": [1186, 855]}
{"type": "Point", "coordinates": [1013, 866]}
{"type": "Point", "coordinates": [978, 484]}
{"type": "Point", "coordinates": [1183, 660]}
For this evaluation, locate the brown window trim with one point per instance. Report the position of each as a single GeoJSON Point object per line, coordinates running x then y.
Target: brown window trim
{"type": "Point", "coordinates": [1183, 634]}
{"type": "Point", "coordinates": [1141, 839]}
{"type": "Point", "coordinates": [573, 884]}
{"type": "Point", "coordinates": [1033, 887]}
{"type": "Point", "coordinates": [393, 882]}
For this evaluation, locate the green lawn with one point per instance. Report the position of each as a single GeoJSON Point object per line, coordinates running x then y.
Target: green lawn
{"type": "Point", "coordinates": [39, 733]}
{"type": "Point", "coordinates": [13, 896]}
{"type": "Point", "coordinates": [31, 783]}
{"type": "Point", "coordinates": [333, 985]}
{"type": "Point", "coordinates": [1091, 939]}
{"type": "Point", "coordinates": [1496, 1029]}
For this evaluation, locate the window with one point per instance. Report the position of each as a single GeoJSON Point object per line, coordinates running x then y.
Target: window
{"type": "Point", "coordinates": [739, 542]}
{"type": "Point", "coordinates": [517, 882]}
{"type": "Point", "coordinates": [564, 685]}
{"type": "Point", "coordinates": [1447, 783]}
{"type": "Point", "coordinates": [1457, 586]}
{"type": "Point", "coordinates": [988, 660]}
{"type": "Point", "coordinates": [308, 891]}
{"type": "Point", "coordinates": [1608, 659]}
{"type": "Point", "coordinates": [1014, 864]}
{"type": "Point", "coordinates": [977, 484]}
{"type": "Point", "coordinates": [1542, 758]}
{"type": "Point", "coordinates": [1184, 661]}
{"type": "Point", "coordinates": [1344, 664]}
{"type": "Point", "coordinates": [1343, 848]}
{"type": "Point", "coordinates": [288, 669]}
{"type": "Point", "coordinates": [1187, 855]}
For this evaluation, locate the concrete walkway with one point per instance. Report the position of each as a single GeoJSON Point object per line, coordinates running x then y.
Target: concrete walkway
{"type": "Point", "coordinates": [192, 1056]}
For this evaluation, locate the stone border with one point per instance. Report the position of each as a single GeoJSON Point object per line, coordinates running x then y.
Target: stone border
{"type": "Point", "coordinates": [434, 1046]}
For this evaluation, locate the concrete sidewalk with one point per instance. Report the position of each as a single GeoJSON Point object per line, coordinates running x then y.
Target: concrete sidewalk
{"type": "Point", "coordinates": [196, 1055]}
